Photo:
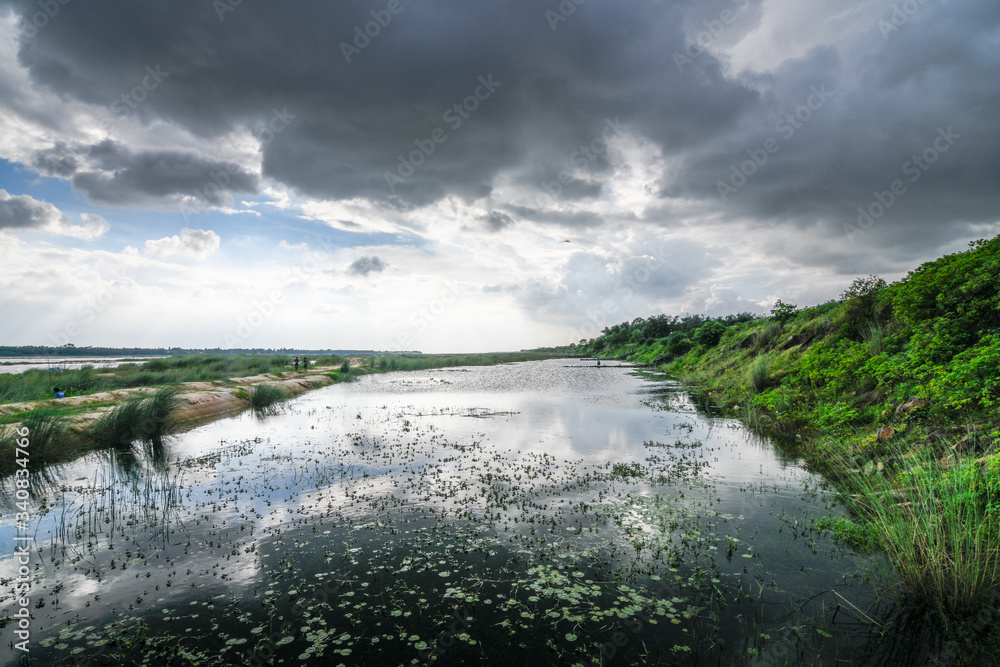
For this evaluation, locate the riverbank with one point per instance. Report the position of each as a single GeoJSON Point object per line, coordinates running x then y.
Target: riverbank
{"type": "Point", "coordinates": [105, 408]}
{"type": "Point", "coordinates": [891, 392]}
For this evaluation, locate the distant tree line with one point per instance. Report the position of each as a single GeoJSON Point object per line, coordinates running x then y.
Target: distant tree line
{"type": "Point", "coordinates": [679, 334]}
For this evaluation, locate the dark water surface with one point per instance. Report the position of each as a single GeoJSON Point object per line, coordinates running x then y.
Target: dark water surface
{"type": "Point", "coordinates": [541, 513]}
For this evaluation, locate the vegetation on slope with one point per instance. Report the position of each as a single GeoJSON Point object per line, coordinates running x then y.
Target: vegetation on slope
{"type": "Point", "coordinates": [892, 392]}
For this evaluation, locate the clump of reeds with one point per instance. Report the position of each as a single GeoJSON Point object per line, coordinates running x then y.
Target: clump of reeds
{"type": "Point", "coordinates": [265, 397]}
{"type": "Point", "coordinates": [139, 418]}
{"type": "Point", "coordinates": [939, 529]}
{"type": "Point", "coordinates": [874, 338]}
{"type": "Point", "coordinates": [47, 433]}
{"type": "Point", "coordinates": [758, 372]}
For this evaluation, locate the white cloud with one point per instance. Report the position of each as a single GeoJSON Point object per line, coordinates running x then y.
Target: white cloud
{"type": "Point", "coordinates": [93, 227]}
{"type": "Point", "coordinates": [196, 243]}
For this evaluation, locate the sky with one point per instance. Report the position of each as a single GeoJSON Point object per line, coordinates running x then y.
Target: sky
{"type": "Point", "coordinates": [477, 176]}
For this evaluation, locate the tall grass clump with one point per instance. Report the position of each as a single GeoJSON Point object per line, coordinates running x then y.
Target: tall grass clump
{"type": "Point", "coordinates": [758, 373]}
{"type": "Point", "coordinates": [139, 418]}
{"type": "Point", "coordinates": [874, 338]}
{"type": "Point", "coordinates": [939, 530]}
{"type": "Point", "coordinates": [47, 436]}
{"type": "Point", "coordinates": [264, 397]}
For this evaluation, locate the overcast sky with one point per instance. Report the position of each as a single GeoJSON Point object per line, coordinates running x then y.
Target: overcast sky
{"type": "Point", "coordinates": [476, 176]}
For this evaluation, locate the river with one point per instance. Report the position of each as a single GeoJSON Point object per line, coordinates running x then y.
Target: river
{"type": "Point", "coordinates": [535, 513]}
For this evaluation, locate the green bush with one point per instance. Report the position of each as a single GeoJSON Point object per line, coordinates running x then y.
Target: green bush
{"type": "Point", "coordinates": [709, 334]}
{"type": "Point", "coordinates": [783, 312]}
{"type": "Point", "coordinates": [678, 343]}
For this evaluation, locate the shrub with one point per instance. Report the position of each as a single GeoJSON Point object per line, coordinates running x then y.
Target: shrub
{"type": "Point", "coordinates": [678, 343]}
{"type": "Point", "coordinates": [864, 306]}
{"type": "Point", "coordinates": [783, 312]}
{"type": "Point", "coordinates": [709, 334]}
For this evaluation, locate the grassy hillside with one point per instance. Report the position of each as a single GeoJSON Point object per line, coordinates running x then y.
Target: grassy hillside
{"type": "Point", "coordinates": [892, 392]}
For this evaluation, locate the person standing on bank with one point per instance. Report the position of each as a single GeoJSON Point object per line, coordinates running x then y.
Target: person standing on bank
{"type": "Point", "coordinates": [296, 363]}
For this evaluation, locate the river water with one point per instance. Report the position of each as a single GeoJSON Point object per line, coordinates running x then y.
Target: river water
{"type": "Point", "coordinates": [535, 513]}
{"type": "Point", "coordinates": [21, 364]}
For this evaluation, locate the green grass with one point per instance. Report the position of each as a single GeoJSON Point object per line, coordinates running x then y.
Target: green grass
{"type": "Point", "coordinates": [758, 373]}
{"type": "Point", "coordinates": [940, 530]}
{"type": "Point", "coordinates": [47, 435]}
{"type": "Point", "coordinates": [137, 419]}
{"type": "Point", "coordinates": [827, 380]}
{"type": "Point", "coordinates": [37, 385]}
{"type": "Point", "coordinates": [264, 397]}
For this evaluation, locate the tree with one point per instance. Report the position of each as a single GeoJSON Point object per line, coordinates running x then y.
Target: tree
{"type": "Point", "coordinates": [709, 334]}
{"type": "Point", "coordinates": [782, 312]}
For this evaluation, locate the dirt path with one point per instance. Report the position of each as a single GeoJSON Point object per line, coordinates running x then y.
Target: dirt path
{"type": "Point", "coordinates": [198, 402]}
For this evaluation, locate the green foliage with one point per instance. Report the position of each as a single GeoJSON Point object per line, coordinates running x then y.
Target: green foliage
{"type": "Point", "coordinates": [139, 418]}
{"type": "Point", "coordinates": [939, 530]}
{"type": "Point", "coordinates": [759, 373]}
{"type": "Point", "coordinates": [864, 306]}
{"type": "Point", "coordinates": [263, 397]}
{"type": "Point", "coordinates": [46, 434]}
{"type": "Point", "coordinates": [36, 385]}
{"type": "Point", "coordinates": [872, 334]}
{"type": "Point", "coordinates": [677, 343]}
{"type": "Point", "coordinates": [709, 334]}
{"type": "Point", "coordinates": [783, 312]}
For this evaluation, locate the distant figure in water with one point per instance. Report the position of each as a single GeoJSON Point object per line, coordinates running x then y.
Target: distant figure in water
{"type": "Point", "coordinates": [296, 363]}
{"type": "Point", "coordinates": [598, 363]}
{"type": "Point", "coordinates": [59, 392]}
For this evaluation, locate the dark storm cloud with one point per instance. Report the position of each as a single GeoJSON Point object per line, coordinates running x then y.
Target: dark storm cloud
{"type": "Point", "coordinates": [23, 212]}
{"type": "Point", "coordinates": [920, 113]}
{"type": "Point", "coordinates": [445, 96]}
{"type": "Point", "coordinates": [412, 103]}
{"type": "Point", "coordinates": [495, 221]}
{"type": "Point", "coordinates": [362, 266]}
{"type": "Point", "coordinates": [109, 172]}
